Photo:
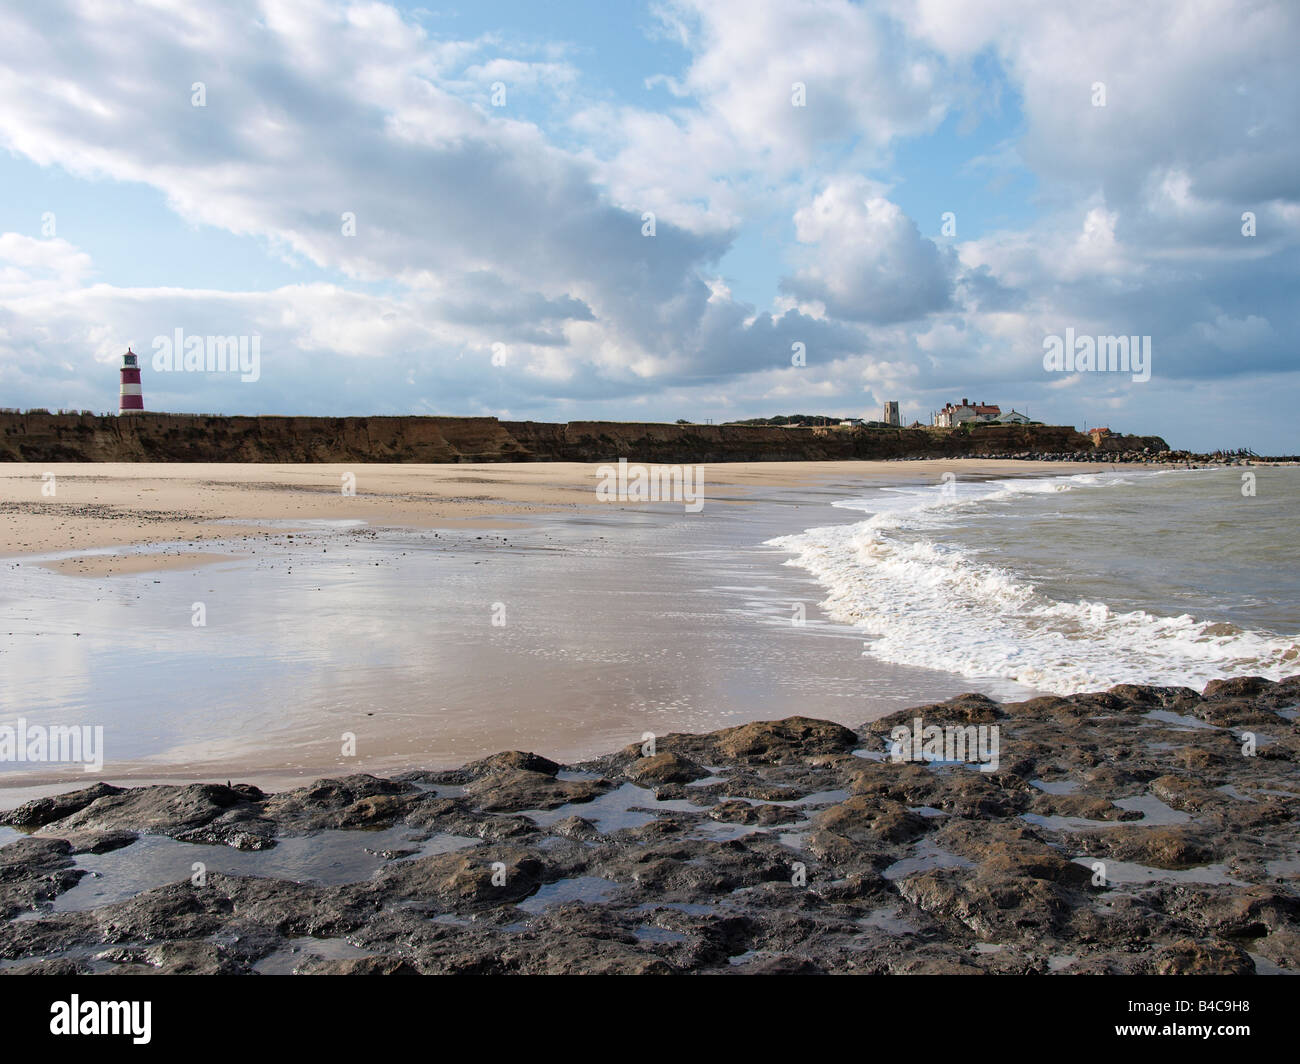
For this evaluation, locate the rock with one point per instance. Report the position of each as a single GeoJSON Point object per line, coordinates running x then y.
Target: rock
{"type": "Point", "coordinates": [582, 956]}
{"type": "Point", "coordinates": [51, 967]}
{"type": "Point", "coordinates": [1187, 957]}
{"type": "Point", "coordinates": [461, 881]}
{"type": "Point", "coordinates": [513, 790]}
{"type": "Point", "coordinates": [378, 810]}
{"type": "Point", "coordinates": [1178, 792]}
{"type": "Point", "coordinates": [1282, 948]}
{"type": "Point", "coordinates": [41, 811]}
{"type": "Point", "coordinates": [512, 760]}
{"type": "Point", "coordinates": [576, 827]}
{"type": "Point", "coordinates": [192, 958]}
{"type": "Point", "coordinates": [762, 813]}
{"type": "Point", "coordinates": [337, 803]}
{"type": "Point", "coordinates": [961, 710]}
{"type": "Point", "coordinates": [991, 907]}
{"type": "Point", "coordinates": [1111, 781]}
{"type": "Point", "coordinates": [1157, 847]}
{"type": "Point", "coordinates": [1007, 850]}
{"type": "Point", "coordinates": [100, 842]}
{"type": "Point", "coordinates": [906, 782]}
{"type": "Point", "coordinates": [863, 820]}
{"type": "Point", "coordinates": [1237, 687]}
{"type": "Point", "coordinates": [662, 768]}
{"type": "Point", "coordinates": [33, 872]}
{"type": "Point", "coordinates": [226, 836]}
{"type": "Point", "coordinates": [386, 965]}
{"type": "Point", "coordinates": [1045, 705]}
{"type": "Point", "coordinates": [780, 965]}
{"type": "Point", "coordinates": [1170, 698]}
{"type": "Point", "coordinates": [776, 741]}
{"type": "Point", "coordinates": [748, 866]}
{"type": "Point", "coordinates": [1236, 713]}
{"type": "Point", "coordinates": [1082, 806]}
{"type": "Point", "coordinates": [161, 810]}
{"type": "Point", "coordinates": [501, 827]}
{"type": "Point", "coordinates": [1248, 913]}
{"type": "Point", "coordinates": [935, 965]}
{"type": "Point", "coordinates": [1197, 758]}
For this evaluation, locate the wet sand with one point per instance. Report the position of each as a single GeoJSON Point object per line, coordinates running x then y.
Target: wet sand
{"type": "Point", "coordinates": [91, 565]}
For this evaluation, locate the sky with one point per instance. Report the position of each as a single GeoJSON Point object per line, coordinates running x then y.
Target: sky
{"type": "Point", "coordinates": [699, 209]}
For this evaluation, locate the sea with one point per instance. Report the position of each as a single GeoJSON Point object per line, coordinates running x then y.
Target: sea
{"type": "Point", "coordinates": [1071, 583]}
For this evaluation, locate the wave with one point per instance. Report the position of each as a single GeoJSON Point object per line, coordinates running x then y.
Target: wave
{"type": "Point", "coordinates": [927, 602]}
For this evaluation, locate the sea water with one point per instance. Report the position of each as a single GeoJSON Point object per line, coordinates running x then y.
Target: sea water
{"type": "Point", "coordinates": [1071, 583]}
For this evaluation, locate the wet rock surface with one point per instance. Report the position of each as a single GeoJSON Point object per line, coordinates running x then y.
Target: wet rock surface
{"type": "Point", "coordinates": [1139, 830]}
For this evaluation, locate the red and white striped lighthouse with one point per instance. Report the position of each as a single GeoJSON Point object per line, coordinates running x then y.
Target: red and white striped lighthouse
{"type": "Point", "coordinates": [131, 400]}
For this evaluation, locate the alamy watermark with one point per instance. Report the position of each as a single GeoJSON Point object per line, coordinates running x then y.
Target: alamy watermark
{"type": "Point", "coordinates": [179, 353]}
{"type": "Point", "coordinates": [58, 743]}
{"type": "Point", "coordinates": [1098, 354]}
{"type": "Point", "coordinates": [638, 483]}
{"type": "Point", "coordinates": [975, 744]}
{"type": "Point", "coordinates": [77, 1017]}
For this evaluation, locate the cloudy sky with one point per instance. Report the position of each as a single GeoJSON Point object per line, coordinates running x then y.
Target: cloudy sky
{"type": "Point", "coordinates": [637, 211]}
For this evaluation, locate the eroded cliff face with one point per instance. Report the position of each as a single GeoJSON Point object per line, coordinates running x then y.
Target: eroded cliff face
{"type": "Point", "coordinates": [186, 438]}
{"type": "Point", "coordinates": [181, 438]}
{"type": "Point", "coordinates": [598, 440]}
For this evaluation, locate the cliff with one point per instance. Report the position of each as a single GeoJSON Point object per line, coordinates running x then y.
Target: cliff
{"type": "Point", "coordinates": [148, 437]}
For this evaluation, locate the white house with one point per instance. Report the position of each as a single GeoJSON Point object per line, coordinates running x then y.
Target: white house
{"type": "Point", "coordinates": [1012, 417]}
{"type": "Point", "coordinates": [953, 415]}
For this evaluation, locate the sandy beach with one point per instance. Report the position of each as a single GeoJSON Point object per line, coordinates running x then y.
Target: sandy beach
{"type": "Point", "coordinates": [96, 506]}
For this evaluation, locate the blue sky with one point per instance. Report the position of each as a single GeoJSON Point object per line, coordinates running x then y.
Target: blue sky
{"type": "Point", "coordinates": [499, 263]}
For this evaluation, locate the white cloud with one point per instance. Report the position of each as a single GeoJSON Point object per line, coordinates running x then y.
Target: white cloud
{"type": "Point", "coordinates": [30, 265]}
{"type": "Point", "coordinates": [866, 260]}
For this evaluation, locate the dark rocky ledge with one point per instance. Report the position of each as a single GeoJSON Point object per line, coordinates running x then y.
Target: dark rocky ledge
{"type": "Point", "coordinates": [687, 861]}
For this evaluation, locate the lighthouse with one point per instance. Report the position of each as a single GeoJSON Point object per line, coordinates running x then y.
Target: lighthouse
{"type": "Point", "coordinates": [131, 400]}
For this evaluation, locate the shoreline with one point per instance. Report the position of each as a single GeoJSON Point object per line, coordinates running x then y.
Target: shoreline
{"type": "Point", "coordinates": [97, 506]}
{"type": "Point", "coordinates": [402, 719]}
{"type": "Point", "coordinates": [781, 846]}
{"type": "Point", "coordinates": [409, 724]}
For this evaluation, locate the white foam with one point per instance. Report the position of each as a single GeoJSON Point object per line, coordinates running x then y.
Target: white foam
{"type": "Point", "coordinates": [932, 604]}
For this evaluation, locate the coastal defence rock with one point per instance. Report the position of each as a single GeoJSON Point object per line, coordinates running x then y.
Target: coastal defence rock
{"type": "Point", "coordinates": [159, 437]}
{"type": "Point", "coordinates": [1125, 831]}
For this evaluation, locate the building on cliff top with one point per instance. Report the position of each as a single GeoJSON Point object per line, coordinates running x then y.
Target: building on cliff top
{"type": "Point", "coordinates": [1011, 417]}
{"type": "Point", "coordinates": [953, 415]}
